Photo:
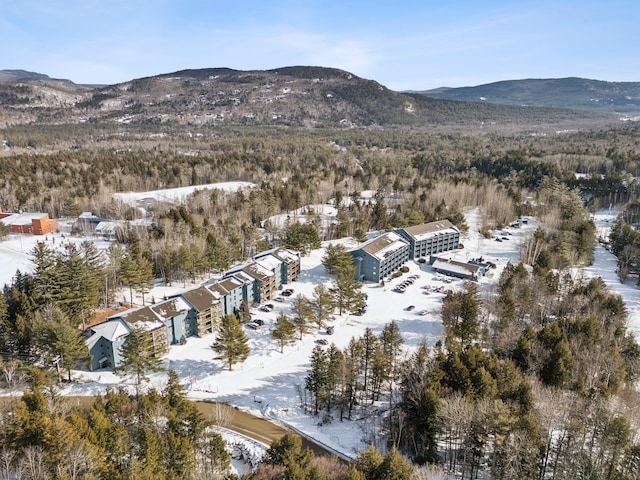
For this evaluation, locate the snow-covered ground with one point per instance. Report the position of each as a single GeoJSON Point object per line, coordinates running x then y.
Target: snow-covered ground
{"type": "Point", "coordinates": [268, 383]}
{"type": "Point", "coordinates": [176, 195]}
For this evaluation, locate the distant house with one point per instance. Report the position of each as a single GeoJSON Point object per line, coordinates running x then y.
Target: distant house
{"type": "Point", "coordinates": [455, 268]}
{"type": "Point", "coordinates": [87, 222]}
{"type": "Point", "coordinates": [380, 257]}
{"type": "Point", "coordinates": [31, 223]}
{"type": "Point", "coordinates": [430, 238]}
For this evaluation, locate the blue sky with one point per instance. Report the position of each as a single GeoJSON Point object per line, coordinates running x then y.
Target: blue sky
{"type": "Point", "coordinates": [402, 44]}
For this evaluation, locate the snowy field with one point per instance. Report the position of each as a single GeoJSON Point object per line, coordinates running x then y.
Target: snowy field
{"type": "Point", "coordinates": [268, 383]}
{"type": "Point", "coordinates": [176, 195]}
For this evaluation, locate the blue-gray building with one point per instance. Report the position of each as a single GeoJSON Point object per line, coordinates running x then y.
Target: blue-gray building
{"type": "Point", "coordinates": [104, 342]}
{"type": "Point", "coordinates": [379, 257]}
{"type": "Point", "coordinates": [430, 238]}
{"type": "Point", "coordinates": [205, 311]}
{"type": "Point", "coordinates": [230, 292]}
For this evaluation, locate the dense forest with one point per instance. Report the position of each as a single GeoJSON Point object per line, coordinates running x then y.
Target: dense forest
{"type": "Point", "coordinates": [536, 379]}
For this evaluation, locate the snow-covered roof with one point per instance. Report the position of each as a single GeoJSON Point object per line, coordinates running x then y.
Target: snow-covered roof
{"type": "Point", "coordinates": [269, 262]}
{"type": "Point", "coordinates": [286, 255]}
{"type": "Point", "coordinates": [107, 227]}
{"type": "Point", "coordinates": [455, 266]}
{"type": "Point", "coordinates": [431, 229]}
{"type": "Point", "coordinates": [143, 317]}
{"type": "Point", "coordinates": [110, 330]}
{"type": "Point", "coordinates": [22, 219]}
{"type": "Point", "coordinates": [200, 298]}
{"type": "Point", "coordinates": [171, 308]}
{"type": "Point", "coordinates": [245, 278]}
{"type": "Point", "coordinates": [384, 245]}
{"type": "Point", "coordinates": [258, 271]}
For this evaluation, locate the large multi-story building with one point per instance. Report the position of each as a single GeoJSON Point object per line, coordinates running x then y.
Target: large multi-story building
{"type": "Point", "coordinates": [379, 257]}
{"type": "Point", "coordinates": [430, 238]}
{"type": "Point", "coordinates": [195, 312]}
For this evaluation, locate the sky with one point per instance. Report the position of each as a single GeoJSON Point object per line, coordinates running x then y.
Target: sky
{"type": "Point", "coordinates": [404, 45]}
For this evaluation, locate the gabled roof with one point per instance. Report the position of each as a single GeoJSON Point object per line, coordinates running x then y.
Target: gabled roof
{"type": "Point", "coordinates": [225, 285]}
{"type": "Point", "coordinates": [200, 298]}
{"type": "Point", "coordinates": [383, 246]}
{"type": "Point", "coordinates": [287, 255]}
{"type": "Point", "coordinates": [269, 262]}
{"type": "Point", "coordinates": [425, 230]}
{"type": "Point", "coordinates": [111, 330]}
{"type": "Point", "coordinates": [143, 317]}
{"type": "Point", "coordinates": [170, 308]}
{"type": "Point", "coordinates": [258, 271]}
{"type": "Point", "coordinates": [243, 277]}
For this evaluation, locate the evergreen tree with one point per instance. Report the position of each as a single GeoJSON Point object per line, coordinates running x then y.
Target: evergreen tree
{"type": "Point", "coordinates": [298, 461]}
{"type": "Point", "coordinates": [302, 237]}
{"type": "Point", "coordinates": [368, 462]}
{"type": "Point", "coordinates": [137, 274]}
{"type": "Point", "coordinates": [395, 466]}
{"type": "Point", "coordinates": [60, 341]}
{"type": "Point", "coordinates": [335, 368]}
{"type": "Point", "coordinates": [316, 381]}
{"type": "Point", "coordinates": [347, 292]}
{"type": "Point", "coordinates": [460, 315]}
{"type": "Point", "coordinates": [353, 358]}
{"type": "Point", "coordinates": [302, 311]}
{"type": "Point", "coordinates": [231, 343]}
{"type": "Point", "coordinates": [284, 331]}
{"type": "Point", "coordinates": [138, 356]}
{"type": "Point", "coordinates": [379, 217]}
{"type": "Point", "coordinates": [336, 259]}
{"type": "Point", "coordinates": [323, 304]}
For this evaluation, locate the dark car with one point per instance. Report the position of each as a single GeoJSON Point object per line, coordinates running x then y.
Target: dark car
{"type": "Point", "coordinates": [259, 321]}
{"type": "Point", "coordinates": [329, 330]}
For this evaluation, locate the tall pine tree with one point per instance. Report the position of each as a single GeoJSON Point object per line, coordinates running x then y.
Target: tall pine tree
{"type": "Point", "coordinates": [231, 344]}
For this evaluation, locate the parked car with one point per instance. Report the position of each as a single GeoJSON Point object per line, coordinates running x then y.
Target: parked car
{"type": "Point", "coordinates": [253, 326]}
{"type": "Point", "coordinates": [265, 308]}
{"type": "Point", "coordinates": [280, 299]}
{"type": "Point", "coordinates": [410, 307]}
{"type": "Point", "coordinates": [322, 341]}
{"type": "Point", "coordinates": [329, 330]}
{"type": "Point", "coordinates": [259, 321]}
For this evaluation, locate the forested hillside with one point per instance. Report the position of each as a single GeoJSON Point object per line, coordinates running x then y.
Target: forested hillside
{"type": "Point", "coordinates": [310, 97]}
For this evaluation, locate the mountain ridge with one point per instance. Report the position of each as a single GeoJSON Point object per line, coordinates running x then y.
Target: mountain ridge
{"type": "Point", "coordinates": [567, 92]}
{"type": "Point", "coordinates": [301, 96]}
